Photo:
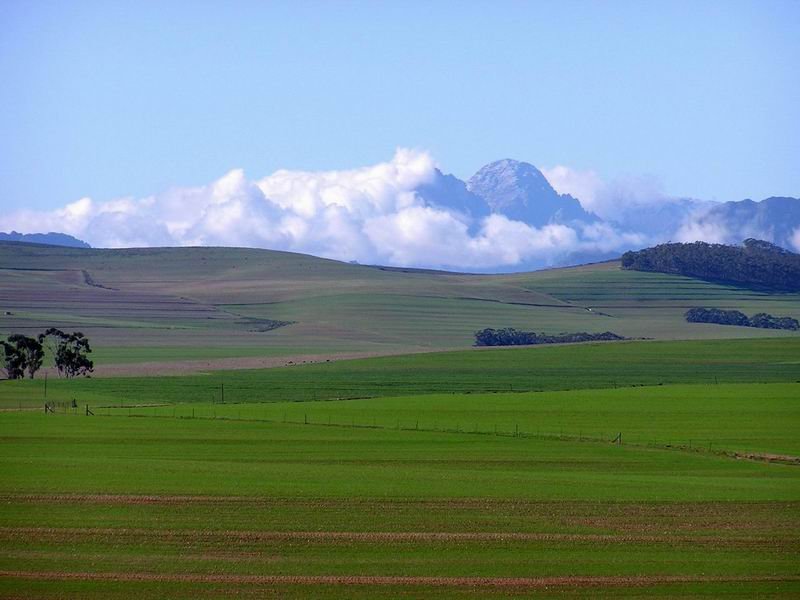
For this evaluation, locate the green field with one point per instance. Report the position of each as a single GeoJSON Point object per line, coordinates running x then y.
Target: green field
{"type": "Point", "coordinates": [556, 367]}
{"type": "Point", "coordinates": [459, 494]}
{"type": "Point", "coordinates": [726, 417]}
{"type": "Point", "coordinates": [250, 505]}
{"type": "Point", "coordinates": [666, 467]}
{"type": "Point", "coordinates": [166, 305]}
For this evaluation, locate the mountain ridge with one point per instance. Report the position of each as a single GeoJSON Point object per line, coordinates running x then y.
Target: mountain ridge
{"type": "Point", "coordinates": [51, 238]}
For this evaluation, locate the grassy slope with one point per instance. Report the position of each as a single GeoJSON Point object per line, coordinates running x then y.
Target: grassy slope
{"type": "Point", "coordinates": [590, 509]}
{"type": "Point", "coordinates": [209, 300]}
{"type": "Point", "coordinates": [598, 365]}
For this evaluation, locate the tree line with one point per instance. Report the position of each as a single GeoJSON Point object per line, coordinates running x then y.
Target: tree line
{"type": "Point", "coordinates": [23, 355]}
{"type": "Point", "coordinates": [735, 317]}
{"type": "Point", "coordinates": [509, 336]}
{"type": "Point", "coordinates": [756, 264]}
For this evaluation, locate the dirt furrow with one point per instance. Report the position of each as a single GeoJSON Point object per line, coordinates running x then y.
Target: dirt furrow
{"type": "Point", "coordinates": [73, 533]}
{"type": "Point", "coordinates": [365, 580]}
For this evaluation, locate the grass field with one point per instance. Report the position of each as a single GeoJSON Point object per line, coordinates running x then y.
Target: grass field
{"type": "Point", "coordinates": [179, 304]}
{"type": "Point", "coordinates": [186, 508]}
{"type": "Point", "coordinates": [433, 494]}
{"type": "Point", "coordinates": [467, 473]}
{"type": "Point", "coordinates": [597, 365]}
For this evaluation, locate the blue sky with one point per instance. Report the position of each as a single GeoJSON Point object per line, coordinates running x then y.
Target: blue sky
{"type": "Point", "coordinates": [111, 99]}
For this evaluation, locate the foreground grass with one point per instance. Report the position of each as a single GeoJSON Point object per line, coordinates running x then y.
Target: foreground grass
{"type": "Point", "coordinates": [165, 456]}
{"type": "Point", "coordinates": [577, 366]}
{"type": "Point", "coordinates": [199, 506]}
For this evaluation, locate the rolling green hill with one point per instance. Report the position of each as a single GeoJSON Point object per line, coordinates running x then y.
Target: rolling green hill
{"type": "Point", "coordinates": [474, 472]}
{"type": "Point", "coordinates": [182, 304]}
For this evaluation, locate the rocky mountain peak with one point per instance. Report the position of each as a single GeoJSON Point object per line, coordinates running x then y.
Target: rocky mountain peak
{"type": "Point", "coordinates": [521, 192]}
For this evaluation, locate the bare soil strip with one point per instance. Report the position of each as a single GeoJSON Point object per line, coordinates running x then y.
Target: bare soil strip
{"type": "Point", "coordinates": [71, 533]}
{"type": "Point", "coordinates": [520, 582]}
{"type": "Point", "coordinates": [579, 507]}
{"type": "Point", "coordinates": [766, 457]}
{"type": "Point", "coordinates": [183, 367]}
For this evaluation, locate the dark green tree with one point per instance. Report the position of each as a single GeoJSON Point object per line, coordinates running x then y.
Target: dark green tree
{"type": "Point", "coordinates": [70, 352]}
{"type": "Point", "coordinates": [22, 355]}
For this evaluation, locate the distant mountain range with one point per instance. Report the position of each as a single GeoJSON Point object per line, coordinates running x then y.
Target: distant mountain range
{"type": "Point", "coordinates": [521, 192]}
{"type": "Point", "coordinates": [52, 238]}
{"type": "Point", "coordinates": [774, 219]}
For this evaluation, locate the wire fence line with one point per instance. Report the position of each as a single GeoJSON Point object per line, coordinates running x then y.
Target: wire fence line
{"type": "Point", "coordinates": [192, 413]}
{"type": "Point", "coordinates": [694, 445]}
{"type": "Point", "coordinates": [698, 445]}
{"type": "Point", "coordinates": [715, 446]}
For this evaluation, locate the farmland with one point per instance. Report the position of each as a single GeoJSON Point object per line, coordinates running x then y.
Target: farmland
{"type": "Point", "coordinates": [598, 365]}
{"type": "Point", "coordinates": [182, 507]}
{"type": "Point", "coordinates": [454, 495]}
{"type": "Point", "coordinates": [661, 467]}
{"type": "Point", "coordinates": [202, 308]}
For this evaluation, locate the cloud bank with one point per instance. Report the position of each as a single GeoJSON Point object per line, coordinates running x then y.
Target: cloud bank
{"type": "Point", "coordinates": [374, 215]}
{"type": "Point", "coordinates": [370, 215]}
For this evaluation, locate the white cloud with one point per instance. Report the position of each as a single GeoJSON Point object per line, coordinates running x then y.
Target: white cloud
{"type": "Point", "coordinates": [370, 214]}
{"type": "Point", "coordinates": [610, 200]}
{"type": "Point", "coordinates": [707, 231]}
{"type": "Point", "coordinates": [363, 192]}
{"type": "Point", "coordinates": [796, 239]}
{"type": "Point", "coordinates": [603, 237]}
{"type": "Point", "coordinates": [586, 186]}
{"type": "Point", "coordinates": [635, 204]}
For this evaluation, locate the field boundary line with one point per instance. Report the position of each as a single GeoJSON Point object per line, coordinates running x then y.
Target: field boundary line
{"type": "Point", "coordinates": [389, 580]}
